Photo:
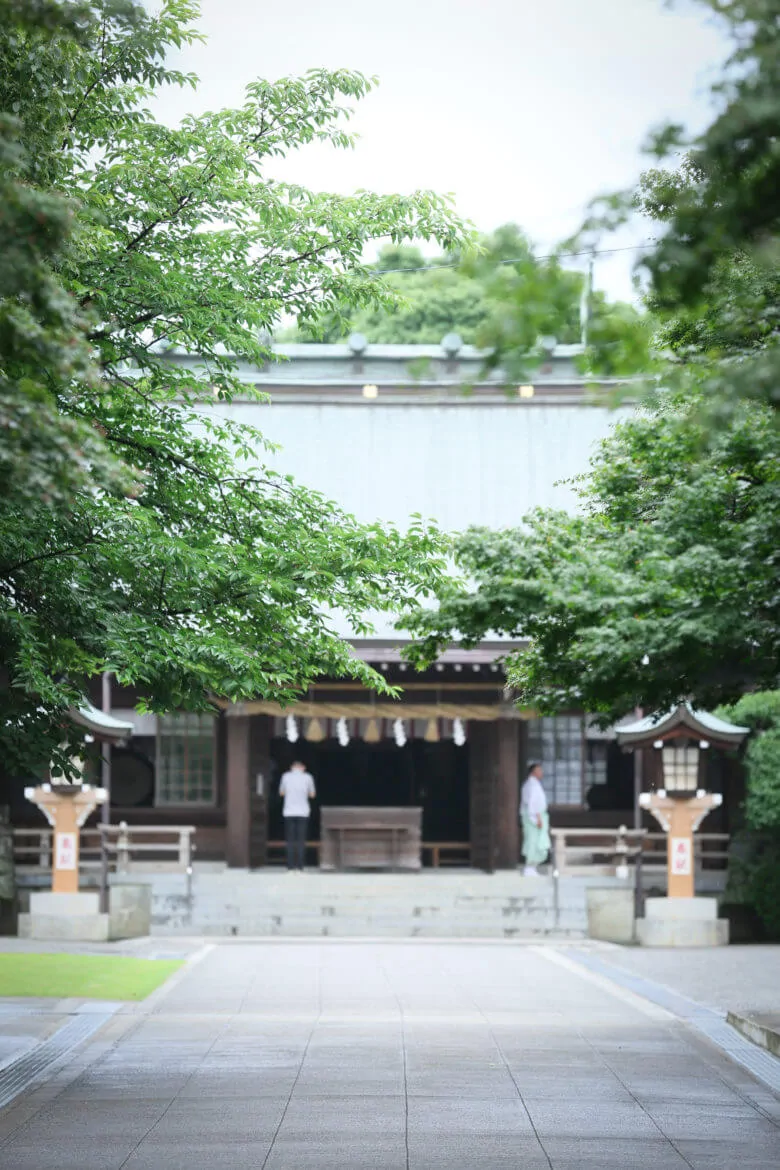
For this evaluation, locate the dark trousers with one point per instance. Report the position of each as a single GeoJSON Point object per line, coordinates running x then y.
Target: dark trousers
{"type": "Point", "coordinates": [295, 832]}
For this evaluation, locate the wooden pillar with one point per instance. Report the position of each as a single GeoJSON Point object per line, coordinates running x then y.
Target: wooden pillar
{"type": "Point", "coordinates": [494, 793]}
{"type": "Point", "coordinates": [237, 791]}
{"type": "Point", "coordinates": [508, 794]}
{"type": "Point", "coordinates": [259, 772]}
{"type": "Point", "coordinates": [483, 767]}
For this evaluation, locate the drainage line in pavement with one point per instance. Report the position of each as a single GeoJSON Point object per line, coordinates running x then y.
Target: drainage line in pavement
{"type": "Point", "coordinates": [22, 1072]}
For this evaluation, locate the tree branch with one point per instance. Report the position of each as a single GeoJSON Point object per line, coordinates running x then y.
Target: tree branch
{"type": "Point", "coordinates": [57, 552]}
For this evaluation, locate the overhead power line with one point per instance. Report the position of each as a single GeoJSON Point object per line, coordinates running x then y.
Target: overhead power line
{"type": "Point", "coordinates": [519, 259]}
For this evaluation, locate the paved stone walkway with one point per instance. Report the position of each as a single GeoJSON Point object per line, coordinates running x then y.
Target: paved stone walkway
{"type": "Point", "coordinates": [736, 978]}
{"type": "Point", "coordinates": [387, 1056]}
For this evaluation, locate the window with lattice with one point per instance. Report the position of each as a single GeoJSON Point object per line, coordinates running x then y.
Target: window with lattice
{"type": "Point", "coordinates": [185, 759]}
{"type": "Point", "coordinates": [557, 742]}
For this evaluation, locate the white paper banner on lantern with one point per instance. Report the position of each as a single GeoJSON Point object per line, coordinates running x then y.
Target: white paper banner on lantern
{"type": "Point", "coordinates": [64, 850]}
{"type": "Point", "coordinates": [681, 856]}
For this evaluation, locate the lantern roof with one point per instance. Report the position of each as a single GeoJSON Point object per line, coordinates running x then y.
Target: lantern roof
{"type": "Point", "coordinates": [100, 724]}
{"type": "Point", "coordinates": [681, 720]}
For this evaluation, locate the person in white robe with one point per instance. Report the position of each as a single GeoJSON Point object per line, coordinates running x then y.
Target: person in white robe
{"type": "Point", "coordinates": [535, 820]}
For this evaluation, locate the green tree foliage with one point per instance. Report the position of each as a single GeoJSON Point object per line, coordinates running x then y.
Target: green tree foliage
{"type": "Point", "coordinates": [761, 713]}
{"type": "Point", "coordinates": [754, 867]}
{"type": "Point", "coordinates": [434, 302]}
{"type": "Point", "coordinates": [44, 454]}
{"type": "Point", "coordinates": [733, 204]}
{"type": "Point", "coordinates": [497, 296]}
{"type": "Point", "coordinates": [137, 534]}
{"type": "Point", "coordinates": [712, 276]}
{"type": "Point", "coordinates": [664, 588]}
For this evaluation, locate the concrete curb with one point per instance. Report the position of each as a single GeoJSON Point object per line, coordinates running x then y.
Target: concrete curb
{"type": "Point", "coordinates": [758, 1029]}
{"type": "Point", "coordinates": [145, 1007]}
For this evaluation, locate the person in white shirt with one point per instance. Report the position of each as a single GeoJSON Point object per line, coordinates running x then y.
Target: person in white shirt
{"type": "Point", "coordinates": [297, 788]}
{"type": "Point", "coordinates": [536, 820]}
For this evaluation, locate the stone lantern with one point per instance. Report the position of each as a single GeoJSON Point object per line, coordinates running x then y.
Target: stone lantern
{"type": "Point", "coordinates": [64, 912]}
{"type": "Point", "coordinates": [679, 806]}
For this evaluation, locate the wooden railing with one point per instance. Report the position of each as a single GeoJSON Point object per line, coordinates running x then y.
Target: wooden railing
{"type": "Point", "coordinates": [128, 849]}
{"type": "Point", "coordinates": [589, 851]}
{"type": "Point", "coordinates": [171, 848]}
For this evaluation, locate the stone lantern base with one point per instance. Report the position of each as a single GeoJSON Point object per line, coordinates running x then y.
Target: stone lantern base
{"type": "Point", "coordinates": [682, 922]}
{"type": "Point", "coordinates": [77, 917]}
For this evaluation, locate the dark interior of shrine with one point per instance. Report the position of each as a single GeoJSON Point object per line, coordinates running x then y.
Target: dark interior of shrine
{"type": "Point", "coordinates": [433, 776]}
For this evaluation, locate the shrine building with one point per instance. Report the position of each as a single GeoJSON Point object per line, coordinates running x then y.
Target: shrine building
{"type": "Point", "coordinates": [387, 431]}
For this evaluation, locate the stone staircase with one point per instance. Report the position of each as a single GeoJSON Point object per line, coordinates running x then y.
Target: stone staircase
{"type": "Point", "coordinates": [432, 904]}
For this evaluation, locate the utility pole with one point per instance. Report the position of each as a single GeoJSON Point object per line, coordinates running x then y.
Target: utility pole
{"type": "Point", "coordinates": [585, 301]}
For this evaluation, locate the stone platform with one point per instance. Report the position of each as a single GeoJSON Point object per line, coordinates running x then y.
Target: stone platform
{"type": "Point", "coordinates": [682, 922]}
{"type": "Point", "coordinates": [77, 917]}
{"type": "Point", "coordinates": [432, 904]}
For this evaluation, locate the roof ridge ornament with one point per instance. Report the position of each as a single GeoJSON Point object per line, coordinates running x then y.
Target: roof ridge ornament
{"type": "Point", "coordinates": [452, 344]}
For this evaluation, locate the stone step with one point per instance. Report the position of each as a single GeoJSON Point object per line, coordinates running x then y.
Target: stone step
{"type": "Point", "coordinates": [302, 928]}
{"type": "Point", "coordinates": [376, 925]}
{"type": "Point", "coordinates": [425, 913]}
{"type": "Point", "coordinates": [500, 921]}
{"type": "Point", "coordinates": [439, 905]}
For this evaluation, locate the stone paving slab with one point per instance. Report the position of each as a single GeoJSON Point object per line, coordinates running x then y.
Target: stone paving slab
{"type": "Point", "coordinates": [736, 978]}
{"type": "Point", "coordinates": [707, 1021]}
{"type": "Point", "coordinates": [377, 1056]}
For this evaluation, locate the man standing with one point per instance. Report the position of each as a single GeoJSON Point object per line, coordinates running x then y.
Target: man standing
{"type": "Point", "coordinates": [536, 820]}
{"type": "Point", "coordinates": [297, 788]}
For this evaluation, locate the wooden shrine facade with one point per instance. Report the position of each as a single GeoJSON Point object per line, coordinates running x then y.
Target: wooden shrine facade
{"type": "Point", "coordinates": [454, 745]}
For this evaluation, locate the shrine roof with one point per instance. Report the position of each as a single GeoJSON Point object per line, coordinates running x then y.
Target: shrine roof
{"type": "Point", "coordinates": [100, 724]}
{"type": "Point", "coordinates": [486, 654]}
{"type": "Point", "coordinates": [419, 374]}
{"type": "Point", "coordinates": [702, 724]}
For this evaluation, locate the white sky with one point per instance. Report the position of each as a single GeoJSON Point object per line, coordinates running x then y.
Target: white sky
{"type": "Point", "coordinates": [522, 109]}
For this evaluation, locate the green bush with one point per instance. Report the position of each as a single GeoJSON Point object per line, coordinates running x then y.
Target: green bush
{"type": "Point", "coordinates": [754, 877]}
{"type": "Point", "coordinates": [754, 863]}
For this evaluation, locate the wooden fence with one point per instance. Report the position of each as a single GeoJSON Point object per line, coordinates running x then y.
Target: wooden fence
{"type": "Point", "coordinates": [171, 848]}
{"type": "Point", "coordinates": [592, 851]}
{"type": "Point", "coordinates": [123, 848]}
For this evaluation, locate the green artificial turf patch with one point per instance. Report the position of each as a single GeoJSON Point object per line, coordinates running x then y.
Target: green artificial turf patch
{"type": "Point", "coordinates": [83, 976]}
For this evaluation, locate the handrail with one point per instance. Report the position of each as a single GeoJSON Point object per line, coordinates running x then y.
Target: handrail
{"type": "Point", "coordinates": [580, 850]}
{"type": "Point", "coordinates": [123, 844]}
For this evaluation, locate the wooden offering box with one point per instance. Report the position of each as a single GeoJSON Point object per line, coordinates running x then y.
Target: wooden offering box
{"type": "Point", "coordinates": [370, 838]}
